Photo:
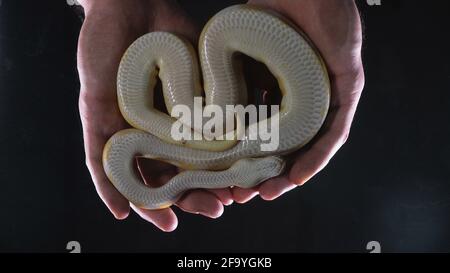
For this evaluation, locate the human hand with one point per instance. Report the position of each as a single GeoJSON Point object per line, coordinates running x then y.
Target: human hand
{"type": "Point", "coordinates": [334, 27]}
{"type": "Point", "coordinates": [109, 28]}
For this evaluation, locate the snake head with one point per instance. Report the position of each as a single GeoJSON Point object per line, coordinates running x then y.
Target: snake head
{"type": "Point", "coordinates": [258, 170]}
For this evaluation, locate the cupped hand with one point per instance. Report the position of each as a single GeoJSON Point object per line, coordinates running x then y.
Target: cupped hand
{"type": "Point", "coordinates": [109, 28]}
{"type": "Point", "coordinates": [334, 27]}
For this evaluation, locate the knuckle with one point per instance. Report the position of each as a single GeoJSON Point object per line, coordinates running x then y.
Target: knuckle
{"type": "Point", "coordinates": [360, 80]}
{"type": "Point", "coordinates": [89, 162]}
{"type": "Point", "coordinates": [344, 136]}
{"type": "Point", "coordinates": [317, 164]}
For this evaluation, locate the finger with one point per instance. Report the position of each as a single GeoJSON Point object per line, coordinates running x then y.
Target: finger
{"type": "Point", "coordinates": [224, 195]}
{"type": "Point", "coordinates": [201, 202]}
{"type": "Point", "coordinates": [275, 187]}
{"type": "Point", "coordinates": [116, 203]}
{"type": "Point", "coordinates": [317, 156]}
{"type": "Point", "coordinates": [164, 219]}
{"type": "Point", "coordinates": [242, 195]}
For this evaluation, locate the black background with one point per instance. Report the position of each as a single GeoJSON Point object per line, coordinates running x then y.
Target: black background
{"type": "Point", "coordinates": [389, 183]}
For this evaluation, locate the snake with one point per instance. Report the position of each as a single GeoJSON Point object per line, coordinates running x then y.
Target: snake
{"type": "Point", "coordinates": [261, 34]}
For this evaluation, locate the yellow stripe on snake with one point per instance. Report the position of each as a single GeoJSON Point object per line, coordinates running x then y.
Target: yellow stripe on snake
{"type": "Point", "coordinates": [261, 35]}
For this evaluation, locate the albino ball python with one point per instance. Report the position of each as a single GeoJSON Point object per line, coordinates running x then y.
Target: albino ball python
{"type": "Point", "coordinates": [260, 34]}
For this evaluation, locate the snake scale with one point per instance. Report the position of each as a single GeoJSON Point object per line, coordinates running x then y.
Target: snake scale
{"type": "Point", "coordinates": [260, 34]}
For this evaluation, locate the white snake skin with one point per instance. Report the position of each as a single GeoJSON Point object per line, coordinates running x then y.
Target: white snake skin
{"type": "Point", "coordinates": [213, 164]}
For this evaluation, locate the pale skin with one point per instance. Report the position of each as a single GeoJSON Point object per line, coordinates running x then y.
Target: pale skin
{"type": "Point", "coordinates": [112, 25]}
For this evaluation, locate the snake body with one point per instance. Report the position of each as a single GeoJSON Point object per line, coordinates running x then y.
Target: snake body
{"type": "Point", "coordinates": [260, 34]}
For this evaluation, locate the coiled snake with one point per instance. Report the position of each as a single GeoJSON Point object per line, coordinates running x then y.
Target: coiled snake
{"type": "Point", "coordinates": [260, 34]}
